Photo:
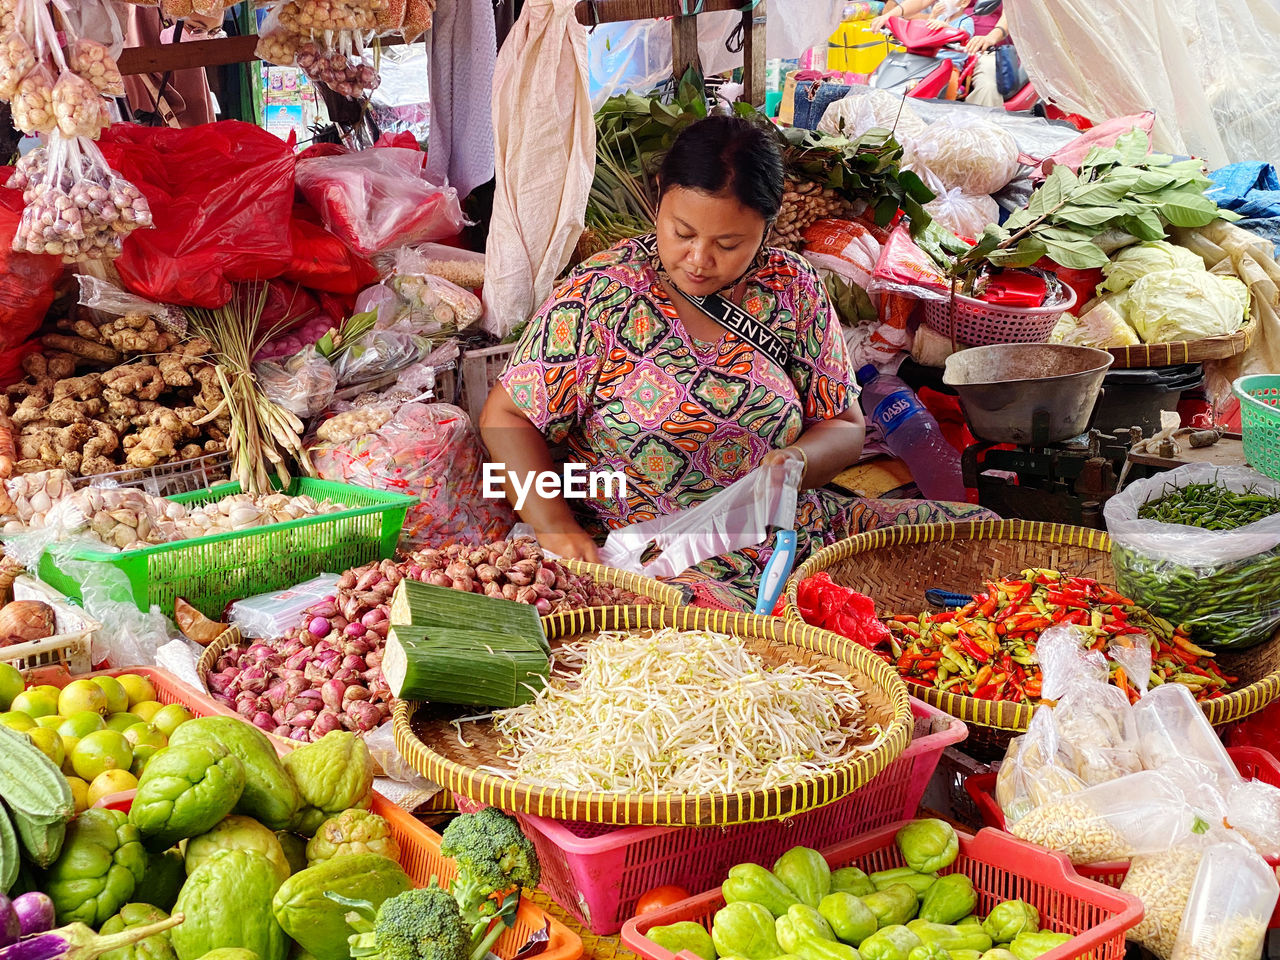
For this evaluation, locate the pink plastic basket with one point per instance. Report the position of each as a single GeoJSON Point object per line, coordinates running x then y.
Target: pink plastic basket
{"type": "Point", "coordinates": [598, 872]}
{"type": "Point", "coordinates": [977, 323]}
{"type": "Point", "coordinates": [1001, 868]}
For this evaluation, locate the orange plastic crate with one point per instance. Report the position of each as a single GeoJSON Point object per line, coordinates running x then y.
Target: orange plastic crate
{"type": "Point", "coordinates": [1001, 868]}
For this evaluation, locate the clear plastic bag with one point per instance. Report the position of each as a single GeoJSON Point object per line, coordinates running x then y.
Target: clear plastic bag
{"type": "Point", "coordinates": [963, 214]}
{"type": "Point", "coordinates": [78, 108]}
{"type": "Point", "coordinates": [1253, 811]}
{"type": "Point", "coordinates": [378, 352]}
{"type": "Point", "coordinates": [428, 450]}
{"type": "Point", "coordinates": [16, 61]}
{"type": "Point", "coordinates": [738, 516]}
{"type": "Point", "coordinates": [432, 306]}
{"type": "Point", "coordinates": [277, 44]}
{"type": "Point", "coordinates": [905, 269]}
{"type": "Point", "coordinates": [32, 105]}
{"type": "Point", "coordinates": [968, 153]}
{"type": "Point", "coordinates": [1224, 582]}
{"type": "Point", "coordinates": [866, 108]}
{"type": "Point", "coordinates": [275, 614]}
{"type": "Point", "coordinates": [128, 636]}
{"type": "Point", "coordinates": [1034, 771]}
{"type": "Point", "coordinates": [304, 384]}
{"type": "Point", "coordinates": [1097, 732]}
{"type": "Point", "coordinates": [1172, 728]}
{"type": "Point", "coordinates": [106, 298]}
{"type": "Point", "coordinates": [1231, 901]}
{"type": "Point", "coordinates": [1142, 813]}
{"type": "Point", "coordinates": [378, 198]}
{"type": "Point", "coordinates": [93, 62]}
{"type": "Point", "coordinates": [1163, 882]}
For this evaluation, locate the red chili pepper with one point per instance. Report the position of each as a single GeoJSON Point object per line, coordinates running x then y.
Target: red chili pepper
{"type": "Point", "coordinates": [1076, 617]}
{"type": "Point", "coordinates": [986, 692]}
{"type": "Point", "coordinates": [971, 649]}
{"type": "Point", "coordinates": [1064, 598]}
{"type": "Point", "coordinates": [1107, 595]}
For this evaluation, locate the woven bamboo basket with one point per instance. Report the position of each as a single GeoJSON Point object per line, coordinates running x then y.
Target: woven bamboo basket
{"type": "Point", "coordinates": [430, 743]}
{"type": "Point", "coordinates": [1184, 351]}
{"type": "Point", "coordinates": [896, 565]}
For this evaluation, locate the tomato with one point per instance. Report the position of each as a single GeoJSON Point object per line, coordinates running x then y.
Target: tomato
{"type": "Point", "coordinates": [659, 898]}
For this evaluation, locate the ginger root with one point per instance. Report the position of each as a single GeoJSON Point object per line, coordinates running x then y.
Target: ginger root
{"type": "Point", "coordinates": [80, 347]}
{"type": "Point", "coordinates": [140, 380]}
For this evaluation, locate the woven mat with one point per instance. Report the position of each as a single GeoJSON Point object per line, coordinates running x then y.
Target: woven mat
{"type": "Point", "coordinates": [594, 947]}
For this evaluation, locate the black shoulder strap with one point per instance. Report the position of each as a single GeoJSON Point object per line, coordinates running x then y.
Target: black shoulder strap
{"type": "Point", "coordinates": [733, 318]}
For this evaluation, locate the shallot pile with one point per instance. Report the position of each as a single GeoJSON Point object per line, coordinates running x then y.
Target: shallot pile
{"type": "Point", "coordinates": [327, 673]}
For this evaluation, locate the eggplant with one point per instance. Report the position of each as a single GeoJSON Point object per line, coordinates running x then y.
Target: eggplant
{"type": "Point", "coordinates": [35, 912]}
{"type": "Point", "coordinates": [10, 928]}
{"type": "Point", "coordinates": [76, 941]}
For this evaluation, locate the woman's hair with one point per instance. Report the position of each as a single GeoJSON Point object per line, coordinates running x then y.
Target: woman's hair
{"type": "Point", "coordinates": [727, 154]}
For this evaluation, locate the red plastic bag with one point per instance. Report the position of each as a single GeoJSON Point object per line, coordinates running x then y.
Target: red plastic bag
{"type": "Point", "coordinates": [27, 283]}
{"type": "Point", "coordinates": [905, 269]}
{"type": "Point", "coordinates": [403, 139]}
{"type": "Point", "coordinates": [222, 198]}
{"type": "Point", "coordinates": [323, 262]}
{"type": "Point", "coordinates": [824, 603]}
{"type": "Point", "coordinates": [377, 199]}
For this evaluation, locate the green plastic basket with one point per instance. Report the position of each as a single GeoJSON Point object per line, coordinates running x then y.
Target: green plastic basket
{"type": "Point", "coordinates": [1260, 421]}
{"type": "Point", "coordinates": [210, 572]}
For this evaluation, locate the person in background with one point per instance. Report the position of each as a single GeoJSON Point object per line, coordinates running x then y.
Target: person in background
{"type": "Point", "coordinates": [640, 361]}
{"type": "Point", "coordinates": [178, 98]}
{"type": "Point", "coordinates": [988, 30]}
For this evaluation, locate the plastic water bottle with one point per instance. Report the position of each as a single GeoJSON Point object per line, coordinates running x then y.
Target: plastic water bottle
{"type": "Point", "coordinates": [912, 434]}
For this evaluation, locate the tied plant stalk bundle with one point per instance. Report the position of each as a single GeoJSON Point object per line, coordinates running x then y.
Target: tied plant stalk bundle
{"type": "Point", "coordinates": [263, 433]}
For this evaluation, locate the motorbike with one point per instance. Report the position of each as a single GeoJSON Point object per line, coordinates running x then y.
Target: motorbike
{"type": "Point", "coordinates": [934, 65]}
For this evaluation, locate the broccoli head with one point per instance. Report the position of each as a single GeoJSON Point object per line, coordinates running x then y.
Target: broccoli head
{"type": "Point", "coordinates": [493, 857]}
{"type": "Point", "coordinates": [423, 924]}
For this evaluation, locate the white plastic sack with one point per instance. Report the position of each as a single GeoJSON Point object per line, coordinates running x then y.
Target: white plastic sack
{"type": "Point", "coordinates": [738, 516]}
{"type": "Point", "coordinates": [965, 215]}
{"type": "Point", "coordinates": [545, 154]}
{"type": "Point", "coordinates": [968, 153]}
{"type": "Point", "coordinates": [869, 108]}
{"type": "Point", "coordinates": [1206, 67]}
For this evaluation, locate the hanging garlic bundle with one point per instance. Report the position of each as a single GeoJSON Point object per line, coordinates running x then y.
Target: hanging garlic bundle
{"type": "Point", "coordinates": [342, 70]}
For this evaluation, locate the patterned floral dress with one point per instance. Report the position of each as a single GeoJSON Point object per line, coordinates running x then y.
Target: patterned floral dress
{"type": "Point", "coordinates": [607, 368]}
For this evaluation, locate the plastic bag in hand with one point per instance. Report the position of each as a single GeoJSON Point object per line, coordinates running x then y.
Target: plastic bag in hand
{"type": "Point", "coordinates": [304, 384]}
{"type": "Point", "coordinates": [738, 516]}
{"type": "Point", "coordinates": [1233, 898]}
{"type": "Point", "coordinates": [1226, 583]}
{"type": "Point", "coordinates": [376, 199]}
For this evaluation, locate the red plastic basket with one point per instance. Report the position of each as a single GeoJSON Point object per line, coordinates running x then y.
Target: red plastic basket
{"type": "Point", "coordinates": [1001, 868]}
{"type": "Point", "coordinates": [598, 873]}
{"type": "Point", "coordinates": [1253, 763]}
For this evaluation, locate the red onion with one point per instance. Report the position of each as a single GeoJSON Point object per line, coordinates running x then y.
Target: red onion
{"type": "Point", "coordinates": [354, 662]}
{"type": "Point", "coordinates": [374, 616]}
{"type": "Point", "coordinates": [354, 629]}
{"type": "Point", "coordinates": [332, 692]}
{"type": "Point", "coordinates": [264, 721]}
{"type": "Point", "coordinates": [304, 719]}
{"type": "Point", "coordinates": [319, 626]}
{"type": "Point", "coordinates": [326, 722]}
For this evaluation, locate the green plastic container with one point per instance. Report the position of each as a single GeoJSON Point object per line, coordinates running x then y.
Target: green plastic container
{"type": "Point", "coordinates": [210, 572]}
{"type": "Point", "coordinates": [1260, 421]}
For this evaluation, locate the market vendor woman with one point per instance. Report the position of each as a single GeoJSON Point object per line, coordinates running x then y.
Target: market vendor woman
{"type": "Point", "coordinates": [631, 362]}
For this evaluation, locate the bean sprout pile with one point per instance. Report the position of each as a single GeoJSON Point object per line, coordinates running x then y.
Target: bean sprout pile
{"type": "Point", "coordinates": [679, 711]}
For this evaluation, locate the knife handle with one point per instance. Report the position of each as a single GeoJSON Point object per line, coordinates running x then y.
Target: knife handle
{"type": "Point", "coordinates": [776, 572]}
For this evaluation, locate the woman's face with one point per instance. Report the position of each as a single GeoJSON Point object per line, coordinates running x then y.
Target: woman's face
{"type": "Point", "coordinates": [706, 240]}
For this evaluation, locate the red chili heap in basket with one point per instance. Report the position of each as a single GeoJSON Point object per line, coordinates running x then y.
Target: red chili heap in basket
{"type": "Point", "coordinates": [986, 649]}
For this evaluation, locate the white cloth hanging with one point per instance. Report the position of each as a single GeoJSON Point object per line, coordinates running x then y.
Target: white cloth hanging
{"type": "Point", "coordinates": [544, 158]}
{"type": "Point", "coordinates": [464, 51]}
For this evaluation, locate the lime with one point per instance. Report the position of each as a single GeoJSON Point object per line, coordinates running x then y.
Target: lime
{"type": "Point", "coordinates": [11, 684]}
{"type": "Point", "coordinates": [138, 688]}
{"type": "Point", "coordinates": [49, 743]}
{"type": "Point", "coordinates": [109, 782]}
{"type": "Point", "coordinates": [169, 718]}
{"type": "Point", "coordinates": [82, 695]}
{"type": "Point", "coordinates": [117, 697]}
{"type": "Point", "coordinates": [123, 721]}
{"type": "Point", "coordinates": [146, 709]}
{"type": "Point", "coordinates": [82, 724]}
{"type": "Point", "coordinates": [16, 721]}
{"type": "Point", "coordinates": [36, 702]}
{"type": "Point", "coordinates": [146, 741]}
{"type": "Point", "coordinates": [100, 751]}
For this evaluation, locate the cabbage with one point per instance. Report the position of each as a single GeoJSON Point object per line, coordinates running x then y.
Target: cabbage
{"type": "Point", "coordinates": [1171, 305]}
{"type": "Point", "coordinates": [1103, 325]}
{"type": "Point", "coordinates": [1133, 263]}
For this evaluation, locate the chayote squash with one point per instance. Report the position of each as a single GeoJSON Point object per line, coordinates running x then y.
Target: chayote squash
{"type": "Point", "coordinates": [237, 833]}
{"type": "Point", "coordinates": [163, 879]}
{"type": "Point", "coordinates": [230, 953]}
{"type": "Point", "coordinates": [295, 849]}
{"type": "Point", "coordinates": [319, 924]}
{"type": "Point", "coordinates": [184, 791]}
{"type": "Point", "coordinates": [157, 947]}
{"type": "Point", "coordinates": [227, 903]}
{"type": "Point", "coordinates": [333, 774]}
{"type": "Point", "coordinates": [353, 831]}
{"type": "Point", "coordinates": [270, 796]}
{"type": "Point", "coordinates": [685, 935]}
{"type": "Point", "coordinates": [101, 862]}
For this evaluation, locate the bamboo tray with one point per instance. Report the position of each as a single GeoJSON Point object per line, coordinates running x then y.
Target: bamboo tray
{"type": "Point", "coordinates": [430, 744]}
{"type": "Point", "coordinates": [896, 565]}
{"type": "Point", "coordinates": [1184, 351]}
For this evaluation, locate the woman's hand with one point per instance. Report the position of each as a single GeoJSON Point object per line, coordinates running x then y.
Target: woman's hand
{"type": "Point", "coordinates": [982, 44]}
{"type": "Point", "coordinates": [878, 23]}
{"type": "Point", "coordinates": [575, 544]}
{"type": "Point", "coordinates": [782, 455]}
